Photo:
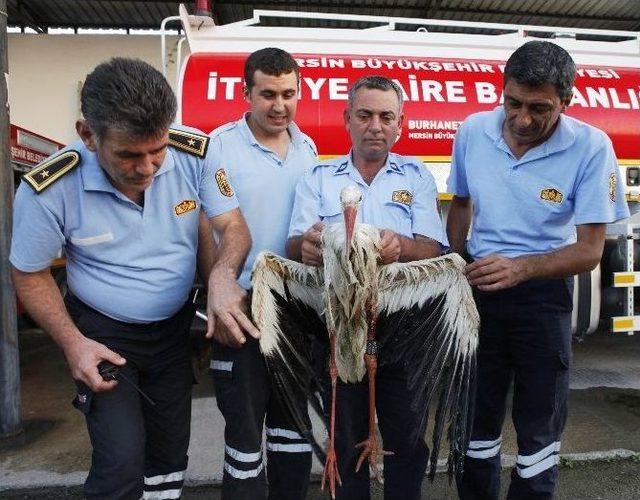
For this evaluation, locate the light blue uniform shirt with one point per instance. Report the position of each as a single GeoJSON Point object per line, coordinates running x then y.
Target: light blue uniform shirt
{"type": "Point", "coordinates": [532, 205]}
{"type": "Point", "coordinates": [402, 197]}
{"type": "Point", "coordinates": [131, 263]}
{"type": "Point", "coordinates": [264, 184]}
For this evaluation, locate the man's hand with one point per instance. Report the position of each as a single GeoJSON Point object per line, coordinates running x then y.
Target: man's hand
{"type": "Point", "coordinates": [496, 272]}
{"type": "Point", "coordinates": [227, 308]}
{"type": "Point", "coordinates": [389, 247]}
{"type": "Point", "coordinates": [312, 246]}
{"type": "Point", "coordinates": [84, 355]}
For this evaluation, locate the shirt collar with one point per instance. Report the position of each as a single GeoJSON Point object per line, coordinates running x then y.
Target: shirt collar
{"type": "Point", "coordinates": [562, 138]}
{"type": "Point", "coordinates": [293, 129]}
{"type": "Point", "coordinates": [346, 166]}
{"type": "Point", "coordinates": [392, 164]}
{"type": "Point", "coordinates": [93, 177]}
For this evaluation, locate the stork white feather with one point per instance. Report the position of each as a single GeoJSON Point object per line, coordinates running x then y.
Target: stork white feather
{"type": "Point", "coordinates": [349, 293]}
{"type": "Point", "coordinates": [350, 282]}
{"type": "Point", "coordinates": [269, 274]}
{"type": "Point", "coordinates": [414, 283]}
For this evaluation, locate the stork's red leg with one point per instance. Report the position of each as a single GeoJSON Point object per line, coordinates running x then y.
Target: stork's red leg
{"type": "Point", "coordinates": [371, 448]}
{"type": "Point", "coordinates": [331, 474]}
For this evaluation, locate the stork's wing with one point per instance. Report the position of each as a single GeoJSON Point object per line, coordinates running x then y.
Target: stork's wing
{"type": "Point", "coordinates": [427, 320]}
{"type": "Point", "coordinates": [287, 307]}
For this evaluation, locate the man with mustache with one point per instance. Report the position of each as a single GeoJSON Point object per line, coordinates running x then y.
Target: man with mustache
{"type": "Point", "coordinates": [399, 196]}
{"type": "Point", "coordinates": [265, 154]}
{"type": "Point", "coordinates": [541, 188]}
{"type": "Point", "coordinates": [124, 202]}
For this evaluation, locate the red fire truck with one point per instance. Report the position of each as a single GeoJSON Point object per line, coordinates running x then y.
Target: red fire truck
{"type": "Point", "coordinates": [448, 70]}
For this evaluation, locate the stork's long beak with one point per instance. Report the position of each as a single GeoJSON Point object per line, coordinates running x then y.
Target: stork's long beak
{"type": "Point", "coordinates": [350, 213]}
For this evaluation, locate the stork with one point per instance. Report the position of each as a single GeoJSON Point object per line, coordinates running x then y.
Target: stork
{"type": "Point", "coordinates": [420, 312]}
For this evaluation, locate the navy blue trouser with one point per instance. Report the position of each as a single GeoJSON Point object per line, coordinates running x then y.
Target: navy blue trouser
{"type": "Point", "coordinates": [525, 335]}
{"type": "Point", "coordinates": [405, 469]}
{"type": "Point", "coordinates": [244, 396]}
{"type": "Point", "coordinates": [138, 449]}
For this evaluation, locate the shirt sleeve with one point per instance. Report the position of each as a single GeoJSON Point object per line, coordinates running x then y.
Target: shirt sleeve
{"type": "Point", "coordinates": [457, 182]}
{"type": "Point", "coordinates": [306, 205]}
{"type": "Point", "coordinates": [37, 232]}
{"type": "Point", "coordinates": [426, 218]}
{"type": "Point", "coordinates": [216, 192]}
{"type": "Point", "coordinates": [599, 195]}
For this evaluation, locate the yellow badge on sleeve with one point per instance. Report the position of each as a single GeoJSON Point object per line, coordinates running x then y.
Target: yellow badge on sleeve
{"type": "Point", "coordinates": [552, 195]}
{"type": "Point", "coordinates": [185, 206]}
{"type": "Point", "coordinates": [223, 183]}
{"type": "Point", "coordinates": [613, 183]}
{"type": "Point", "coordinates": [403, 196]}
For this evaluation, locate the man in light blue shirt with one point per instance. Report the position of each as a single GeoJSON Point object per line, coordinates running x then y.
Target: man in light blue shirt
{"type": "Point", "coordinates": [399, 197]}
{"type": "Point", "coordinates": [541, 187]}
{"type": "Point", "coordinates": [124, 202]}
{"type": "Point", "coordinates": [265, 154]}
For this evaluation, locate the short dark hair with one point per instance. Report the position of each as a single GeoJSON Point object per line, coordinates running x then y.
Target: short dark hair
{"type": "Point", "coordinates": [128, 95]}
{"type": "Point", "coordinates": [271, 61]}
{"type": "Point", "coordinates": [539, 62]}
{"type": "Point", "coordinates": [375, 82]}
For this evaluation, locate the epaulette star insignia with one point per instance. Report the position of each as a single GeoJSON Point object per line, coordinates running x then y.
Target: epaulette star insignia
{"type": "Point", "coordinates": [194, 144]}
{"type": "Point", "coordinates": [49, 171]}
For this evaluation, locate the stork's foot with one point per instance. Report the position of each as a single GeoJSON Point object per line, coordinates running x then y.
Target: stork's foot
{"type": "Point", "coordinates": [330, 474]}
{"type": "Point", "coordinates": [371, 449]}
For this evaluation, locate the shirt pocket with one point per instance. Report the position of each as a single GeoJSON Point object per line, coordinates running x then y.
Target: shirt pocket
{"type": "Point", "coordinates": [331, 212]}
{"type": "Point", "coordinates": [551, 204]}
{"type": "Point", "coordinates": [398, 217]}
{"type": "Point", "coordinates": [87, 241]}
{"type": "Point", "coordinates": [100, 244]}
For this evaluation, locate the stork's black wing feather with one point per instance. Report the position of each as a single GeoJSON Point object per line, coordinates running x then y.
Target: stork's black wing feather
{"type": "Point", "coordinates": [295, 370]}
{"type": "Point", "coordinates": [292, 336]}
{"type": "Point", "coordinates": [427, 324]}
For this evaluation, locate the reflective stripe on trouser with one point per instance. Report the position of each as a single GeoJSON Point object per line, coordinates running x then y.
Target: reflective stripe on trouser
{"type": "Point", "coordinates": [163, 486]}
{"type": "Point", "coordinates": [484, 449]}
{"type": "Point", "coordinates": [139, 450]}
{"type": "Point", "coordinates": [528, 466]}
{"type": "Point", "coordinates": [243, 394]}
{"type": "Point", "coordinates": [525, 336]}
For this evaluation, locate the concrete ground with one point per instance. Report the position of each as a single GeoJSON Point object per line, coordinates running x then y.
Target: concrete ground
{"type": "Point", "coordinates": [602, 480]}
{"type": "Point", "coordinates": [604, 421]}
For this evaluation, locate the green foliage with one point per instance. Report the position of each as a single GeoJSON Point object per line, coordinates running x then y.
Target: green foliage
{"type": "Point", "coordinates": [567, 463]}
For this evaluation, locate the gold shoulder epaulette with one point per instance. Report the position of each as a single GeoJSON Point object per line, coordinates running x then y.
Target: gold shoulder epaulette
{"type": "Point", "coordinates": [49, 171]}
{"type": "Point", "coordinates": [194, 144]}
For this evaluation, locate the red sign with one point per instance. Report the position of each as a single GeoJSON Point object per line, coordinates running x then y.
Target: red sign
{"type": "Point", "coordinates": [29, 148]}
{"type": "Point", "coordinates": [439, 95]}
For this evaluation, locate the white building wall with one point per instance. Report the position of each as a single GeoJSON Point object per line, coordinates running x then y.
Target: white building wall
{"type": "Point", "coordinates": [46, 73]}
